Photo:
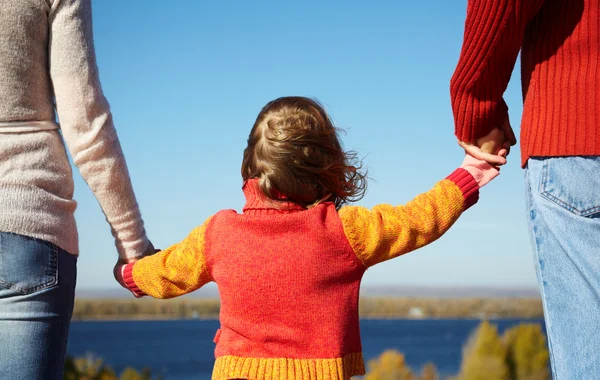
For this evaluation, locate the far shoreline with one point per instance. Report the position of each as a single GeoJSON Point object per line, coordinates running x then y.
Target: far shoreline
{"type": "Point", "coordinates": [203, 319]}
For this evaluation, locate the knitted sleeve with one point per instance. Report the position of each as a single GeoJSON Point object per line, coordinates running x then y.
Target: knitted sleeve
{"type": "Point", "coordinates": [386, 231]}
{"type": "Point", "coordinates": [87, 126]}
{"type": "Point", "coordinates": [178, 270]}
{"type": "Point", "coordinates": [494, 31]}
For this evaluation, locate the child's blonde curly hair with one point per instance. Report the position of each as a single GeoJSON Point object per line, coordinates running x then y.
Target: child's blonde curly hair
{"type": "Point", "coordinates": [293, 150]}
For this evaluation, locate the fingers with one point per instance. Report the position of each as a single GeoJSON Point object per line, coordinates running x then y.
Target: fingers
{"type": "Point", "coordinates": [474, 151]}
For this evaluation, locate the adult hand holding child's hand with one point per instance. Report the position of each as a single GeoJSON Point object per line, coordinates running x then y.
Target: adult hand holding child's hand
{"type": "Point", "coordinates": [493, 147]}
{"type": "Point", "coordinates": [482, 171]}
{"type": "Point", "coordinates": [121, 263]}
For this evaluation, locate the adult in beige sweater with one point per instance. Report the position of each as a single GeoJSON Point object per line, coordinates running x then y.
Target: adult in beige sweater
{"type": "Point", "coordinates": [48, 71]}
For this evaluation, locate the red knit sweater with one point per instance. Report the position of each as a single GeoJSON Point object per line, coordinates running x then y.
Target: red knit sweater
{"type": "Point", "coordinates": [289, 277]}
{"type": "Point", "coordinates": [560, 55]}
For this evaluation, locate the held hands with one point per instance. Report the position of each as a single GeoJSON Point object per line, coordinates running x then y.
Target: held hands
{"type": "Point", "coordinates": [489, 148]}
{"type": "Point", "coordinates": [486, 154]}
{"type": "Point", "coordinates": [482, 171]}
{"type": "Point", "coordinates": [121, 263]}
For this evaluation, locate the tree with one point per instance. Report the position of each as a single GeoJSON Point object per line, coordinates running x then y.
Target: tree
{"type": "Point", "coordinates": [87, 368]}
{"type": "Point", "coordinates": [429, 372]}
{"type": "Point", "coordinates": [484, 356]}
{"type": "Point", "coordinates": [91, 368]}
{"type": "Point", "coordinates": [389, 366]}
{"type": "Point", "coordinates": [528, 355]}
{"type": "Point", "coordinates": [132, 374]}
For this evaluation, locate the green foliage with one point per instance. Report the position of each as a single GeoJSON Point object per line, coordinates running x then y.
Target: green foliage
{"type": "Point", "coordinates": [90, 368]}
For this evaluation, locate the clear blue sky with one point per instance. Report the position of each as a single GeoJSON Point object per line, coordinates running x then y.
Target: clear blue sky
{"type": "Point", "coordinates": [186, 79]}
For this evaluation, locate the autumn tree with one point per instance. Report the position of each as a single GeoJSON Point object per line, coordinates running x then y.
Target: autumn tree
{"type": "Point", "coordinates": [527, 356]}
{"type": "Point", "coordinates": [484, 356]}
{"type": "Point", "coordinates": [389, 366]}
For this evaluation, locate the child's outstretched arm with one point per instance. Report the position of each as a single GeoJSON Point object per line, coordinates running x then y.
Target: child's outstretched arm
{"type": "Point", "coordinates": [178, 270]}
{"type": "Point", "coordinates": [386, 231]}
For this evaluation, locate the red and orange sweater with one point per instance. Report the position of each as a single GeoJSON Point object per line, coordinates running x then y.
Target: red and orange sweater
{"type": "Point", "coordinates": [559, 42]}
{"type": "Point", "coordinates": [289, 277]}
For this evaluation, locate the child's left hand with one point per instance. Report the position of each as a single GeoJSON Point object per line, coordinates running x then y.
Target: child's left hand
{"type": "Point", "coordinates": [482, 171]}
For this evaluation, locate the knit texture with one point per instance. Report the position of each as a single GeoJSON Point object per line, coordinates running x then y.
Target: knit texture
{"type": "Point", "coordinates": [560, 54]}
{"type": "Point", "coordinates": [234, 367]}
{"type": "Point", "coordinates": [289, 277]}
{"type": "Point", "coordinates": [385, 231]}
{"type": "Point", "coordinates": [36, 186]}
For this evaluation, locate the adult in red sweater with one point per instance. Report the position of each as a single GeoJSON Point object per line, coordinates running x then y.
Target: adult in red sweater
{"type": "Point", "coordinates": [559, 41]}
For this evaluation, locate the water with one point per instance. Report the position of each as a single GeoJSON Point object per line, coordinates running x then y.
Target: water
{"type": "Point", "coordinates": [182, 350]}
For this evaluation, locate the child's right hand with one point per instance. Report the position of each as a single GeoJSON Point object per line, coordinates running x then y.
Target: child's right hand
{"type": "Point", "coordinates": [482, 171]}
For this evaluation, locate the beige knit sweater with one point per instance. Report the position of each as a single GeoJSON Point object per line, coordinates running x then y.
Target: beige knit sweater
{"type": "Point", "coordinates": [47, 62]}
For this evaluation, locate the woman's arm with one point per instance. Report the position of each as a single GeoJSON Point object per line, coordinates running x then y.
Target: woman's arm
{"type": "Point", "coordinates": [87, 127]}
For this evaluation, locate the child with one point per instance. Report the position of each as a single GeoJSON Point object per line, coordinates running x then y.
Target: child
{"type": "Point", "coordinates": [289, 267]}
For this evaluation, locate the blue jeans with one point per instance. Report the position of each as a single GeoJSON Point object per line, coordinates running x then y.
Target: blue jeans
{"type": "Point", "coordinates": [37, 290]}
{"type": "Point", "coordinates": [563, 205]}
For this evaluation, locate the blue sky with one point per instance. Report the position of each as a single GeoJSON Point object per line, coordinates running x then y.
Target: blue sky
{"type": "Point", "coordinates": [186, 80]}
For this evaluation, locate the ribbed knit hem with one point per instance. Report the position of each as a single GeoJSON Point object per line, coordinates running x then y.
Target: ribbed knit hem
{"type": "Point", "coordinates": [526, 155]}
{"type": "Point", "coordinates": [467, 185]}
{"type": "Point", "coordinates": [31, 211]}
{"type": "Point", "coordinates": [128, 279]}
{"type": "Point", "coordinates": [235, 367]}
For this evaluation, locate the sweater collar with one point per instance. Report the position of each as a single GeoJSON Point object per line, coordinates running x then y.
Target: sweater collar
{"type": "Point", "coordinates": [257, 201]}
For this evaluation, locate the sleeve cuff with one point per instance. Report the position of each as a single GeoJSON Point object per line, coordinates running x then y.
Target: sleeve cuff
{"type": "Point", "coordinates": [467, 185]}
{"type": "Point", "coordinates": [129, 282]}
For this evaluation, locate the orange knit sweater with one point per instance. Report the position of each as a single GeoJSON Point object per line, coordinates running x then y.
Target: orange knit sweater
{"type": "Point", "coordinates": [560, 57]}
{"type": "Point", "coordinates": [289, 277]}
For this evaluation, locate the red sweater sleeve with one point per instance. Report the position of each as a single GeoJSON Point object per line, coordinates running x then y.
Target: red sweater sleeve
{"type": "Point", "coordinates": [493, 36]}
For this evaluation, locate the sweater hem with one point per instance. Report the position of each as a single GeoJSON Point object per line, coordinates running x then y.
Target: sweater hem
{"type": "Point", "coordinates": [236, 367]}
{"type": "Point", "coordinates": [526, 156]}
{"type": "Point", "coordinates": [34, 212]}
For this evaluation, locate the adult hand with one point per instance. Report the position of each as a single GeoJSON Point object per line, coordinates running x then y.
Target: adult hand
{"type": "Point", "coordinates": [120, 265]}
{"type": "Point", "coordinates": [493, 147]}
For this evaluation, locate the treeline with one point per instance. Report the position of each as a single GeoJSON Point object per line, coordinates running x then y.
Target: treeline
{"type": "Point", "coordinates": [451, 308]}
{"type": "Point", "coordinates": [146, 308]}
{"type": "Point", "coordinates": [90, 368]}
{"type": "Point", "coordinates": [521, 353]}
{"type": "Point", "coordinates": [186, 308]}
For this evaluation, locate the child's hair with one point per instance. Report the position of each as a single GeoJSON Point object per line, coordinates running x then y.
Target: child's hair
{"type": "Point", "coordinates": [293, 150]}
